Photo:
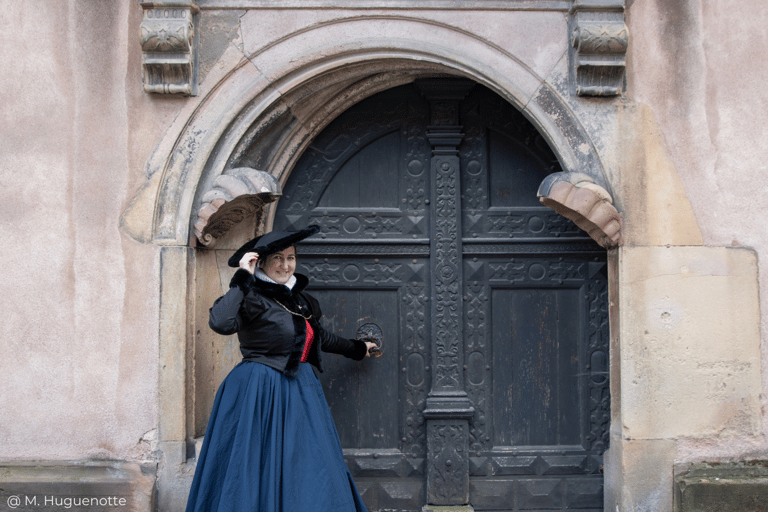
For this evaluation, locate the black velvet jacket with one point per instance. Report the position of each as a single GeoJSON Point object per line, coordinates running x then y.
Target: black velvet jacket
{"type": "Point", "coordinates": [268, 333]}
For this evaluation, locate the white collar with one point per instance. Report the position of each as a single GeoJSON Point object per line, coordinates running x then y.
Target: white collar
{"type": "Point", "coordinates": [264, 277]}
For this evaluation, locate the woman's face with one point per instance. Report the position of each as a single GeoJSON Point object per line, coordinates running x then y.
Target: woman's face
{"type": "Point", "coordinates": [281, 265]}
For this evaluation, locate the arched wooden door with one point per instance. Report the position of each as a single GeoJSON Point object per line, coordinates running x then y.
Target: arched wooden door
{"type": "Point", "coordinates": [493, 387]}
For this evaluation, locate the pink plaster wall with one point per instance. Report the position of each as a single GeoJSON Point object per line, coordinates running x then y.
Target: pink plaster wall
{"type": "Point", "coordinates": [79, 299]}
{"type": "Point", "coordinates": [700, 66]}
{"type": "Point", "coordinates": [79, 330]}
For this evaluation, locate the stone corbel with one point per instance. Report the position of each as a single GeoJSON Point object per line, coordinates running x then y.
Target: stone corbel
{"type": "Point", "coordinates": [236, 194]}
{"type": "Point", "coordinates": [599, 40]}
{"type": "Point", "coordinates": [169, 47]}
{"type": "Point", "coordinates": [577, 197]}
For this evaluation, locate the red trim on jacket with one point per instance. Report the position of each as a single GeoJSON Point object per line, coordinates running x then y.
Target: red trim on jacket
{"type": "Point", "coordinates": [308, 343]}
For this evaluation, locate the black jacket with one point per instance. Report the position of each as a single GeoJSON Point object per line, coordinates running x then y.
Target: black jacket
{"type": "Point", "coordinates": [268, 333]}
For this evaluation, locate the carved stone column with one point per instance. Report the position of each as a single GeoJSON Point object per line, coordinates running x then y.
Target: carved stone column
{"type": "Point", "coordinates": [169, 47]}
{"type": "Point", "coordinates": [448, 407]}
{"type": "Point", "coordinates": [599, 40]}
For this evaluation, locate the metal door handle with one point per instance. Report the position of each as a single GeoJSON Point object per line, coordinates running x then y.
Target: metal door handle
{"type": "Point", "coordinates": [372, 333]}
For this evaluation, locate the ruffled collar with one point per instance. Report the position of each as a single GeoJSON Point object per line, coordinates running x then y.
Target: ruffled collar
{"type": "Point", "coordinates": [270, 288]}
{"type": "Point", "coordinates": [261, 275]}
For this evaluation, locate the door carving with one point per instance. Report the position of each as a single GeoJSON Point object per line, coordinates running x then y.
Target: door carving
{"type": "Point", "coordinates": [492, 389]}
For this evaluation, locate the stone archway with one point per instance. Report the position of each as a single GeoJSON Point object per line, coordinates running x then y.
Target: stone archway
{"type": "Point", "coordinates": [280, 108]}
{"type": "Point", "coordinates": [266, 94]}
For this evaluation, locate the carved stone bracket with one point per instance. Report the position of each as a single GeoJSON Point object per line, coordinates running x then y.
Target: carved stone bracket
{"type": "Point", "coordinates": [577, 197]}
{"type": "Point", "coordinates": [169, 47]}
{"type": "Point", "coordinates": [599, 39]}
{"type": "Point", "coordinates": [235, 195]}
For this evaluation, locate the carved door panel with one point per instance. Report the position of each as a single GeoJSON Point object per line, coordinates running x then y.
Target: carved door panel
{"type": "Point", "coordinates": [523, 288]}
{"type": "Point", "coordinates": [365, 180]}
{"type": "Point", "coordinates": [535, 325]}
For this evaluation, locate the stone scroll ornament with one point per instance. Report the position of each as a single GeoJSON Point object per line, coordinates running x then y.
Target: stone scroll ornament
{"type": "Point", "coordinates": [599, 40]}
{"type": "Point", "coordinates": [578, 198]}
{"type": "Point", "coordinates": [236, 194]}
{"type": "Point", "coordinates": [169, 48]}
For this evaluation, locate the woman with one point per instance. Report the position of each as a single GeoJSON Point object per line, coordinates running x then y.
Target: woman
{"type": "Point", "coordinates": [271, 445]}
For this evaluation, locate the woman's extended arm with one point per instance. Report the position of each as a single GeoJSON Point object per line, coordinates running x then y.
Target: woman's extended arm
{"type": "Point", "coordinates": [329, 342]}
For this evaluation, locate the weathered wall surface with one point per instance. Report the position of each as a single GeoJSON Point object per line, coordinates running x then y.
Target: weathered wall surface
{"type": "Point", "coordinates": [689, 324]}
{"type": "Point", "coordinates": [686, 364]}
{"type": "Point", "coordinates": [79, 299]}
{"type": "Point", "coordinates": [696, 65]}
{"type": "Point", "coordinates": [682, 151]}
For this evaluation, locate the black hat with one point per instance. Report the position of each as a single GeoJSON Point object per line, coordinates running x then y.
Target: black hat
{"type": "Point", "coordinates": [272, 242]}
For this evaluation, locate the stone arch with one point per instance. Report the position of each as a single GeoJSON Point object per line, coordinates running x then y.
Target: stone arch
{"type": "Point", "coordinates": [277, 105]}
{"type": "Point", "coordinates": [284, 102]}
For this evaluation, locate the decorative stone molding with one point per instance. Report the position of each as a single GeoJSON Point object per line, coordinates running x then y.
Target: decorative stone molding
{"type": "Point", "coordinates": [236, 194]}
{"type": "Point", "coordinates": [169, 47]}
{"type": "Point", "coordinates": [599, 40]}
{"type": "Point", "coordinates": [577, 197]}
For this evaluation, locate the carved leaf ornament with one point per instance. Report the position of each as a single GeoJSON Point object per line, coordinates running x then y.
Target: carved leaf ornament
{"type": "Point", "coordinates": [166, 38]}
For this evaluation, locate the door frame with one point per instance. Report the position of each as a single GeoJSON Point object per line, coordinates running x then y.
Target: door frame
{"type": "Point", "coordinates": [243, 108]}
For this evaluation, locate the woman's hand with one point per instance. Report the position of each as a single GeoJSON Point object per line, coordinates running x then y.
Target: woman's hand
{"type": "Point", "coordinates": [369, 345]}
{"type": "Point", "coordinates": [248, 261]}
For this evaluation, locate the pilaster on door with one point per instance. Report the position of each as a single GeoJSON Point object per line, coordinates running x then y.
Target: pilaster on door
{"type": "Point", "coordinates": [448, 407]}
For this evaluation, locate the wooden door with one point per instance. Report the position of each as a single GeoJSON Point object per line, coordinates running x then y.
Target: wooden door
{"type": "Point", "coordinates": [488, 302]}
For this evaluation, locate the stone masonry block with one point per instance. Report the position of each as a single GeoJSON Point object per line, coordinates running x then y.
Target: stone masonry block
{"type": "Point", "coordinates": [690, 360]}
{"type": "Point", "coordinates": [95, 486]}
{"type": "Point", "coordinates": [722, 487]}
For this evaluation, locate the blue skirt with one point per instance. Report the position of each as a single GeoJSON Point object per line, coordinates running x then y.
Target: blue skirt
{"type": "Point", "coordinates": [271, 446]}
